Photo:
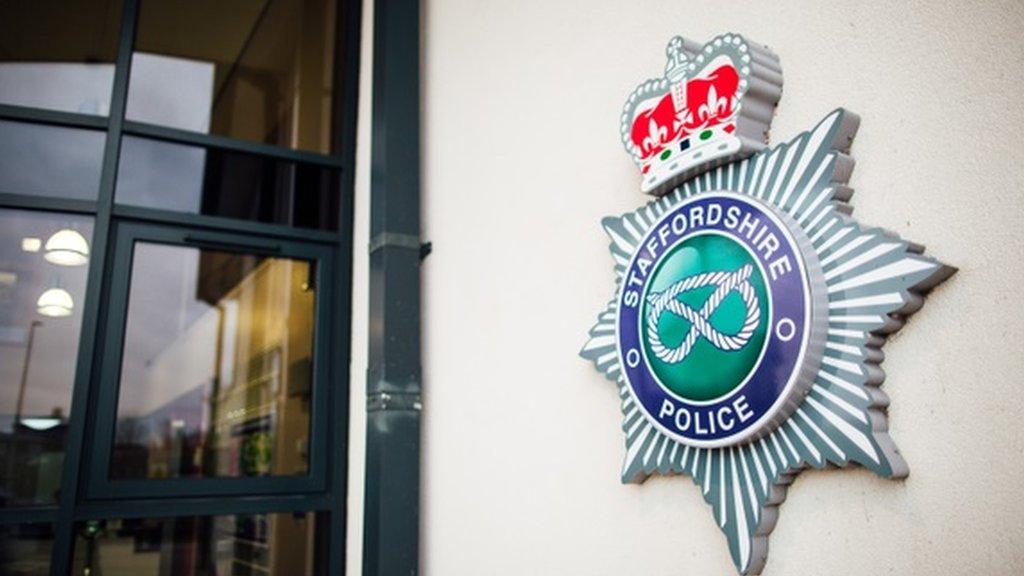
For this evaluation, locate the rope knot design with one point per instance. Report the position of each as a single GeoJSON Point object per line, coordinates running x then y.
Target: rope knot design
{"type": "Point", "coordinates": [700, 324]}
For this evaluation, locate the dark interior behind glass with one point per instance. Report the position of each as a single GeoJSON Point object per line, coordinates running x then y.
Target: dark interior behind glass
{"type": "Point", "coordinates": [257, 71]}
{"type": "Point", "coordinates": [58, 54]}
{"type": "Point", "coordinates": [216, 182]}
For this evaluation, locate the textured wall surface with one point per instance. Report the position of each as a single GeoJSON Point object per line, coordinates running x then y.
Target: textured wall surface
{"type": "Point", "coordinates": [522, 447]}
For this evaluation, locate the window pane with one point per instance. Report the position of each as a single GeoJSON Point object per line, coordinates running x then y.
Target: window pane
{"type": "Point", "coordinates": [217, 368]}
{"type": "Point", "coordinates": [156, 174]}
{"type": "Point", "coordinates": [25, 549]}
{"type": "Point", "coordinates": [59, 54]}
{"type": "Point", "coordinates": [238, 545]}
{"type": "Point", "coordinates": [259, 71]}
{"type": "Point", "coordinates": [43, 267]}
{"type": "Point", "coordinates": [50, 160]}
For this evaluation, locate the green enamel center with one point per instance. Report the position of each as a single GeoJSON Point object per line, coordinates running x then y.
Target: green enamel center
{"type": "Point", "coordinates": [707, 372]}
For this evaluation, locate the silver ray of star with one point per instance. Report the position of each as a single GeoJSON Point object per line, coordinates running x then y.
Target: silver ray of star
{"type": "Point", "coordinates": [875, 280]}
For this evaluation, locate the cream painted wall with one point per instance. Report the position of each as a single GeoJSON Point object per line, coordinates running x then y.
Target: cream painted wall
{"type": "Point", "coordinates": [522, 446]}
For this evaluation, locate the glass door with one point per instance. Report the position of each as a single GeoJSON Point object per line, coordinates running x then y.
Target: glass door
{"type": "Point", "coordinates": [212, 380]}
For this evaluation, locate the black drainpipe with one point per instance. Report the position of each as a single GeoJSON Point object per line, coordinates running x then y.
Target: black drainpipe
{"type": "Point", "coordinates": [393, 386]}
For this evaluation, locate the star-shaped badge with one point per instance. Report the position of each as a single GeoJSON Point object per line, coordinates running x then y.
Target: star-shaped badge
{"type": "Point", "coordinates": [750, 309]}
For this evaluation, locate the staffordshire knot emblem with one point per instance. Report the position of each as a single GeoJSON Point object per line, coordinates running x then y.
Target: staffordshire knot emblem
{"type": "Point", "coordinates": [700, 320]}
{"type": "Point", "coordinates": [750, 309]}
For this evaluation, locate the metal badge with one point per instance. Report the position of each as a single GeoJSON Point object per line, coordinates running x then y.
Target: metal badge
{"type": "Point", "coordinates": [746, 329]}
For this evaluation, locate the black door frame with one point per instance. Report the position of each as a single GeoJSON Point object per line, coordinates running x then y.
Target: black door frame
{"type": "Point", "coordinates": [99, 486]}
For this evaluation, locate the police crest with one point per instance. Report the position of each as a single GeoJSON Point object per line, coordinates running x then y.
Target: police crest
{"type": "Point", "coordinates": [750, 309]}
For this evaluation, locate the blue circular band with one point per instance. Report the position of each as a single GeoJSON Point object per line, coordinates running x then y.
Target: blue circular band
{"type": "Point", "coordinates": [749, 406]}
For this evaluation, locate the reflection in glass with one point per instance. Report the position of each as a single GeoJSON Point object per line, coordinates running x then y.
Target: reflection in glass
{"type": "Point", "coordinates": [67, 247]}
{"type": "Point", "coordinates": [39, 337]}
{"type": "Point", "coordinates": [238, 545]}
{"type": "Point", "coordinates": [217, 366]}
{"type": "Point", "coordinates": [259, 71]}
{"type": "Point", "coordinates": [47, 160]}
{"type": "Point", "coordinates": [215, 182]}
{"type": "Point", "coordinates": [55, 303]}
{"type": "Point", "coordinates": [25, 549]}
{"type": "Point", "coordinates": [59, 54]}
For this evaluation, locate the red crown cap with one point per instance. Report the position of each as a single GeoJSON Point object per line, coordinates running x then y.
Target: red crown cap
{"type": "Point", "coordinates": [712, 106]}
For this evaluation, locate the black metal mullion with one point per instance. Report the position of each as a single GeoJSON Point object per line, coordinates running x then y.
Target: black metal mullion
{"type": "Point", "coordinates": [53, 117]}
{"type": "Point", "coordinates": [217, 223]}
{"type": "Point", "coordinates": [344, 125]}
{"type": "Point", "coordinates": [47, 203]}
{"type": "Point", "coordinates": [210, 487]}
{"type": "Point", "coordinates": [167, 508]}
{"type": "Point", "coordinates": [74, 463]}
{"type": "Point", "coordinates": [28, 515]}
{"type": "Point", "coordinates": [224, 143]}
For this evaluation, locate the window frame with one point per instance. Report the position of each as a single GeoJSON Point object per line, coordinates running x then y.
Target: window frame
{"type": "Point", "coordinates": [329, 499]}
{"type": "Point", "coordinates": [125, 237]}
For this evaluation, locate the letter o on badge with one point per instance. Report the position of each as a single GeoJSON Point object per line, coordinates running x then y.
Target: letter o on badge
{"type": "Point", "coordinates": [632, 357]}
{"type": "Point", "coordinates": [683, 424]}
{"type": "Point", "coordinates": [785, 329]}
{"type": "Point", "coordinates": [679, 224]}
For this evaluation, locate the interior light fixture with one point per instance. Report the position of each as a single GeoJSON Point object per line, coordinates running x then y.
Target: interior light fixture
{"type": "Point", "coordinates": [31, 244]}
{"type": "Point", "coordinates": [41, 423]}
{"type": "Point", "coordinates": [67, 248]}
{"type": "Point", "coordinates": [55, 303]}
